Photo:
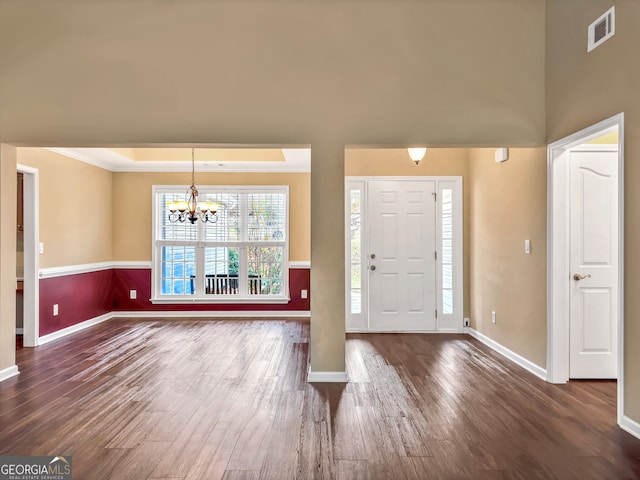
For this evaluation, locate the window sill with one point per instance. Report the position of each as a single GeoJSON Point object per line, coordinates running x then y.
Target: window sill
{"type": "Point", "coordinates": [219, 301]}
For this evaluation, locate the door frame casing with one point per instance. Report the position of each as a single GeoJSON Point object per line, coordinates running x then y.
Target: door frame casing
{"type": "Point", "coordinates": [558, 247]}
{"type": "Point", "coordinates": [31, 320]}
{"type": "Point", "coordinates": [456, 323]}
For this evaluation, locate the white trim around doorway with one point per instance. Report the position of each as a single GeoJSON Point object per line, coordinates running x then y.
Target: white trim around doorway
{"type": "Point", "coordinates": [558, 250]}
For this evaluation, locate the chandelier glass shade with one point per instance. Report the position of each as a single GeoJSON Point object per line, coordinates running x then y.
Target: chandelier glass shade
{"type": "Point", "coordinates": [191, 208]}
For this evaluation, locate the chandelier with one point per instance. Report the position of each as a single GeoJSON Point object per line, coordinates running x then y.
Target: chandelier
{"type": "Point", "coordinates": [191, 209]}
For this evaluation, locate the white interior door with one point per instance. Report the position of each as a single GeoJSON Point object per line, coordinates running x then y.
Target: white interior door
{"type": "Point", "coordinates": [401, 255]}
{"type": "Point", "coordinates": [594, 265]}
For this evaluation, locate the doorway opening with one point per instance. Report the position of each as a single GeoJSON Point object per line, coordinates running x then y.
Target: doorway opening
{"type": "Point", "coordinates": [30, 251]}
{"type": "Point", "coordinates": [585, 270]}
{"type": "Point", "coordinates": [404, 254]}
{"type": "Point", "coordinates": [20, 261]}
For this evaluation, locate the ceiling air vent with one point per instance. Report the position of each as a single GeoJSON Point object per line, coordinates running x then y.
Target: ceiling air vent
{"type": "Point", "coordinates": [602, 29]}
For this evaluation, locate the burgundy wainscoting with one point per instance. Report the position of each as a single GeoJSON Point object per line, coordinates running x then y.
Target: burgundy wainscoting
{"type": "Point", "coordinates": [126, 279]}
{"type": "Point", "coordinates": [83, 296]}
{"type": "Point", "coordinates": [80, 297]}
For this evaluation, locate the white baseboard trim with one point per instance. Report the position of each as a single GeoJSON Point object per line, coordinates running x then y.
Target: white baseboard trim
{"type": "Point", "coordinates": [630, 426]}
{"type": "Point", "coordinates": [215, 314]}
{"type": "Point", "coordinates": [9, 372]}
{"type": "Point", "coordinates": [327, 377]}
{"type": "Point", "coordinates": [19, 331]}
{"type": "Point", "coordinates": [186, 314]}
{"type": "Point", "coordinates": [74, 328]}
{"type": "Point", "coordinates": [365, 330]}
{"type": "Point", "coordinates": [511, 355]}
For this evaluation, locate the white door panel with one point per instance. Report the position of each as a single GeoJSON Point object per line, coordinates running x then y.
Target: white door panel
{"type": "Point", "coordinates": [594, 265]}
{"type": "Point", "coordinates": [402, 240]}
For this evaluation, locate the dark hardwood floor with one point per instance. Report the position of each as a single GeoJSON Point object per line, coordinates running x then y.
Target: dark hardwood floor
{"type": "Point", "coordinates": [196, 399]}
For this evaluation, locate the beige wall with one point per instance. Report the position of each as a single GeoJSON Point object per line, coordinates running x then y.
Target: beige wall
{"type": "Point", "coordinates": [110, 229]}
{"type": "Point", "coordinates": [327, 343]}
{"type": "Point", "coordinates": [373, 72]}
{"type": "Point", "coordinates": [132, 232]}
{"type": "Point", "coordinates": [508, 205]}
{"type": "Point", "coordinates": [584, 88]}
{"type": "Point", "coordinates": [75, 209]}
{"type": "Point", "coordinates": [437, 162]}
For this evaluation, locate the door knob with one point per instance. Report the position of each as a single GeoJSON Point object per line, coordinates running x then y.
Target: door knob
{"type": "Point", "coordinates": [577, 277]}
{"type": "Point", "coordinates": [372, 267]}
{"type": "Point", "coordinates": [373, 255]}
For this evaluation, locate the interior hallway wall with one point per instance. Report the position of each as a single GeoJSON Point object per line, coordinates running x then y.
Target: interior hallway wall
{"type": "Point", "coordinates": [509, 205]}
{"type": "Point", "coordinates": [583, 89]}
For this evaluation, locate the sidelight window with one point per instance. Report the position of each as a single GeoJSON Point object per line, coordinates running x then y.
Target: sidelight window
{"type": "Point", "coordinates": [355, 238]}
{"type": "Point", "coordinates": [446, 219]}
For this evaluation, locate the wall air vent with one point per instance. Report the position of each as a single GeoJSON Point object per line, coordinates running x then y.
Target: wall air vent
{"type": "Point", "coordinates": [602, 29]}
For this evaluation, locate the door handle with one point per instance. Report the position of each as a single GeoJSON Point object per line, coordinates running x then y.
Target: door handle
{"type": "Point", "coordinates": [372, 267]}
{"type": "Point", "coordinates": [577, 277]}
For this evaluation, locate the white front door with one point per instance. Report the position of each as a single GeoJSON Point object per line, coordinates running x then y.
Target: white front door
{"type": "Point", "coordinates": [594, 265]}
{"type": "Point", "coordinates": [402, 245]}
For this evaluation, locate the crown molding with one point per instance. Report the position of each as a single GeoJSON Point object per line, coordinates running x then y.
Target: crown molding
{"type": "Point", "coordinates": [297, 160]}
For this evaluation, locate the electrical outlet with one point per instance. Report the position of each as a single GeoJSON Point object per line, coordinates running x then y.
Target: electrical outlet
{"type": "Point", "coordinates": [467, 322]}
{"type": "Point", "coordinates": [493, 316]}
{"type": "Point", "coordinates": [55, 309]}
{"type": "Point", "coordinates": [303, 294]}
{"type": "Point", "coordinates": [133, 294]}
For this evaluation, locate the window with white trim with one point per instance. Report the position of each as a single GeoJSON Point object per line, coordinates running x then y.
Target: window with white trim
{"type": "Point", "coordinates": [446, 257]}
{"type": "Point", "coordinates": [243, 257]}
{"type": "Point", "coordinates": [355, 239]}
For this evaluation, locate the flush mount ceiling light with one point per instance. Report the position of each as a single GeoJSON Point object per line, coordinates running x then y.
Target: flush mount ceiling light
{"type": "Point", "coordinates": [417, 153]}
{"type": "Point", "coordinates": [191, 209]}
